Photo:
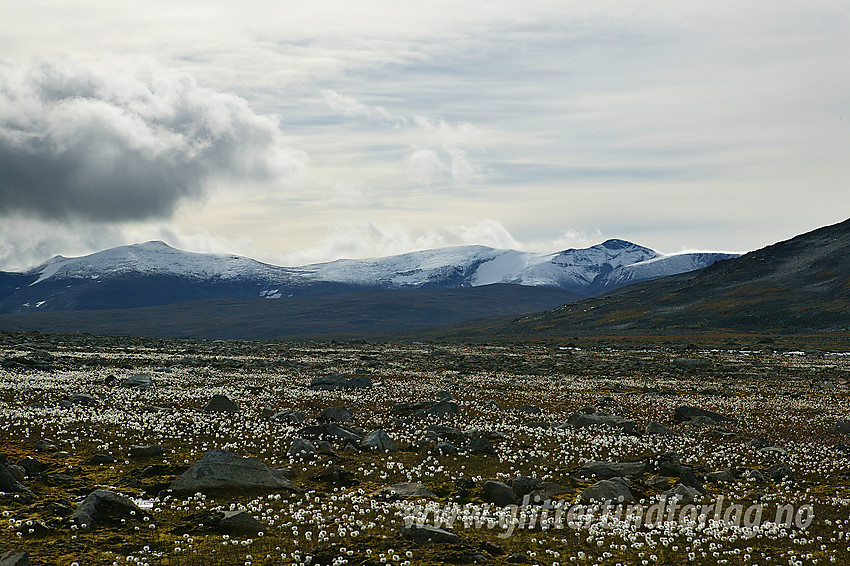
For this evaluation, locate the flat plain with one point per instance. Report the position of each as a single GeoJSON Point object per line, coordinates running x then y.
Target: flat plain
{"type": "Point", "coordinates": [470, 431]}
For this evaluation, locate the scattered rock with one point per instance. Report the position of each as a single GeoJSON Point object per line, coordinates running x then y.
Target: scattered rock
{"type": "Point", "coordinates": [99, 459]}
{"type": "Point", "coordinates": [220, 469]}
{"type": "Point", "coordinates": [607, 470]}
{"type": "Point", "coordinates": [479, 445]}
{"type": "Point", "coordinates": [379, 440]}
{"type": "Point", "coordinates": [518, 558]}
{"type": "Point", "coordinates": [221, 404]}
{"type": "Point", "coordinates": [615, 490]}
{"type": "Point", "coordinates": [338, 382]}
{"type": "Point", "coordinates": [8, 483]}
{"type": "Point", "coordinates": [491, 549]}
{"type": "Point", "coordinates": [31, 465]}
{"type": "Point", "coordinates": [288, 416]}
{"type": "Point", "coordinates": [46, 446]}
{"type": "Point", "coordinates": [841, 427]}
{"type": "Point", "coordinates": [105, 507]}
{"type": "Point", "coordinates": [654, 427]}
{"type": "Point", "coordinates": [336, 476]}
{"type": "Point", "coordinates": [440, 410]}
{"type": "Point", "coordinates": [15, 558]}
{"type": "Point", "coordinates": [138, 381]}
{"type": "Point", "coordinates": [337, 415]}
{"type": "Point", "coordinates": [499, 493]}
{"type": "Point", "coordinates": [691, 364]}
{"type": "Point", "coordinates": [657, 482]}
{"type": "Point", "coordinates": [583, 419]}
{"type": "Point", "coordinates": [330, 431]}
{"type": "Point", "coordinates": [302, 449]}
{"type": "Point", "coordinates": [444, 449]}
{"type": "Point", "coordinates": [146, 451]}
{"type": "Point", "coordinates": [421, 534]}
{"type": "Point", "coordinates": [406, 489]}
{"type": "Point", "coordinates": [241, 523]}
{"type": "Point", "coordinates": [779, 473]}
{"type": "Point", "coordinates": [686, 413]}
{"type": "Point", "coordinates": [685, 495]}
{"type": "Point", "coordinates": [82, 399]}
{"type": "Point", "coordinates": [530, 410]}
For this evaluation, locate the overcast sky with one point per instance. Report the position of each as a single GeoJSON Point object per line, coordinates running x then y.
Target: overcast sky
{"type": "Point", "coordinates": [301, 131]}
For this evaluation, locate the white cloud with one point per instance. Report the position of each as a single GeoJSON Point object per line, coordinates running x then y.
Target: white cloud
{"type": "Point", "coordinates": [372, 239]}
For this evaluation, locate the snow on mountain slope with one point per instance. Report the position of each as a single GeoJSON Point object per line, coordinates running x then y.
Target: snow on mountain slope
{"type": "Point", "coordinates": [157, 258]}
{"type": "Point", "coordinates": [592, 270]}
{"type": "Point", "coordinates": [660, 267]}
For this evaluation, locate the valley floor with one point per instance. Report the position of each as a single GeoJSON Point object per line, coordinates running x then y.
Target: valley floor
{"type": "Point", "coordinates": [770, 486]}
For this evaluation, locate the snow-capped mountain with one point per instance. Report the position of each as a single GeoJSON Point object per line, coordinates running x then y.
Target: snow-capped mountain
{"type": "Point", "coordinates": [154, 273]}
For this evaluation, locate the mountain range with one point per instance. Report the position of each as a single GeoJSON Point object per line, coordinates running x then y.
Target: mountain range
{"type": "Point", "coordinates": [153, 273]}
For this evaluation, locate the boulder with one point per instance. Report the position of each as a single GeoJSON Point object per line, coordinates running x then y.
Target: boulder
{"type": "Point", "coordinates": [337, 415]}
{"type": "Point", "coordinates": [241, 523]}
{"type": "Point", "coordinates": [338, 382]}
{"type": "Point", "coordinates": [288, 416]}
{"type": "Point", "coordinates": [8, 483]}
{"type": "Point", "coordinates": [499, 493]}
{"type": "Point", "coordinates": [582, 419]}
{"type": "Point", "coordinates": [104, 506]}
{"type": "Point", "coordinates": [31, 465]}
{"type": "Point", "coordinates": [608, 470]}
{"type": "Point", "coordinates": [686, 413]}
{"type": "Point", "coordinates": [302, 448]}
{"type": "Point", "coordinates": [655, 427]}
{"type": "Point", "coordinates": [15, 558]}
{"type": "Point", "coordinates": [220, 469]}
{"type": "Point", "coordinates": [138, 380]}
{"type": "Point", "coordinates": [82, 399]}
{"type": "Point", "coordinates": [426, 533]}
{"type": "Point", "coordinates": [440, 410]}
{"type": "Point", "coordinates": [479, 445]}
{"type": "Point", "coordinates": [146, 451]}
{"type": "Point", "coordinates": [221, 404]}
{"type": "Point", "coordinates": [99, 459]}
{"type": "Point", "coordinates": [379, 440]}
{"type": "Point", "coordinates": [330, 432]}
{"type": "Point", "coordinates": [615, 490]}
{"type": "Point", "coordinates": [684, 494]}
{"type": "Point", "coordinates": [406, 489]}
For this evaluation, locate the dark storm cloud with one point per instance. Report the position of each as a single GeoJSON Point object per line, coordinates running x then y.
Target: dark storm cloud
{"type": "Point", "coordinates": [88, 144]}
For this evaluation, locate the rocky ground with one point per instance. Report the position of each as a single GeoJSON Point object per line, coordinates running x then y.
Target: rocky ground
{"type": "Point", "coordinates": [121, 451]}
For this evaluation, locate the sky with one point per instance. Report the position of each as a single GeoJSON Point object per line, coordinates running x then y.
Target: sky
{"type": "Point", "coordinates": [297, 132]}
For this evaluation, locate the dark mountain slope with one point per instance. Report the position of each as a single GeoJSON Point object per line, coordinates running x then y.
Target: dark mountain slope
{"type": "Point", "coordinates": [798, 285]}
{"type": "Point", "coordinates": [356, 313]}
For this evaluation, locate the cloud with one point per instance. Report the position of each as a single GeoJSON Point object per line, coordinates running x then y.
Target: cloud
{"type": "Point", "coordinates": [105, 145]}
{"type": "Point", "coordinates": [438, 151]}
{"type": "Point", "coordinates": [374, 239]}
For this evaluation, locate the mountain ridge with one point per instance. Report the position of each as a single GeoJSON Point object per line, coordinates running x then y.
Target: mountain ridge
{"type": "Point", "coordinates": [154, 273]}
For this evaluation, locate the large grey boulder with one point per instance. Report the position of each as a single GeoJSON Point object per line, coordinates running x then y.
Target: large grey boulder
{"type": "Point", "coordinates": [103, 505]}
{"type": "Point", "coordinates": [582, 419]}
{"type": "Point", "coordinates": [615, 490]}
{"type": "Point", "coordinates": [138, 380]}
{"type": "Point", "coordinates": [338, 382]}
{"type": "Point", "coordinates": [221, 404]}
{"type": "Point", "coordinates": [220, 469]}
{"type": "Point", "coordinates": [655, 427]}
{"type": "Point", "coordinates": [608, 470]}
{"type": "Point", "coordinates": [379, 440]}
